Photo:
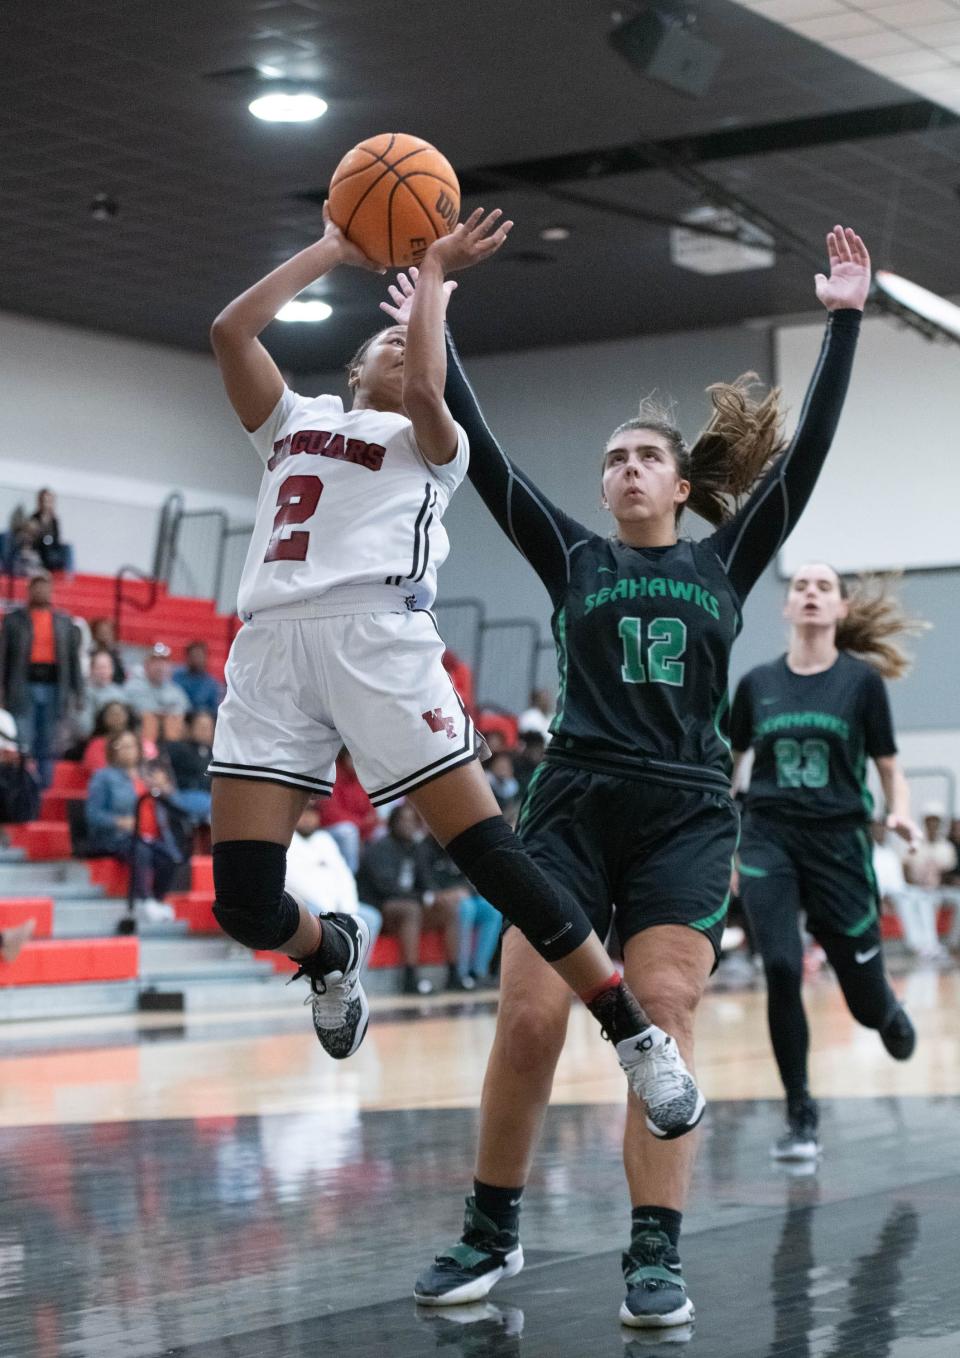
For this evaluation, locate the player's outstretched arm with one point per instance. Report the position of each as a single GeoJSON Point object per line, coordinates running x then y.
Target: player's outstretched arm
{"type": "Point", "coordinates": [252, 379]}
{"type": "Point", "coordinates": [748, 543]}
{"type": "Point", "coordinates": [425, 361]}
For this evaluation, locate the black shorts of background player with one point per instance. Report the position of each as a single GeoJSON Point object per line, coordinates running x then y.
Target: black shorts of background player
{"type": "Point", "coordinates": [813, 718]}
{"type": "Point", "coordinates": [631, 804]}
{"type": "Point", "coordinates": [256, 803]}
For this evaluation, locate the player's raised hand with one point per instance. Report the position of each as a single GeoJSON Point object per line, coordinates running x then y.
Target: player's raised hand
{"type": "Point", "coordinates": [471, 242]}
{"type": "Point", "coordinates": [849, 280]}
{"type": "Point", "coordinates": [401, 296]}
{"type": "Point", "coordinates": [347, 252]}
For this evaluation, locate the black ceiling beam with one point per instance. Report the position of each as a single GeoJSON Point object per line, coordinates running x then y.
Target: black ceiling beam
{"type": "Point", "coordinates": [889, 120]}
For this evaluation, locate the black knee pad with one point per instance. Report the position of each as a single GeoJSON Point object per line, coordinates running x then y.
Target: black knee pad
{"type": "Point", "coordinates": [491, 856]}
{"type": "Point", "coordinates": [251, 904]}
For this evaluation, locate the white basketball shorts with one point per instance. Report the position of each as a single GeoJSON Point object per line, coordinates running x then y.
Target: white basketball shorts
{"type": "Point", "coordinates": [298, 689]}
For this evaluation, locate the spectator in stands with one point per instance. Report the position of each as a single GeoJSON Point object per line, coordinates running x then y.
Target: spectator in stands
{"type": "Point", "coordinates": [348, 814]}
{"type": "Point", "coordinates": [914, 906]}
{"type": "Point", "coordinates": [202, 690]}
{"type": "Point", "coordinates": [529, 757]}
{"type": "Point", "coordinates": [933, 860]}
{"type": "Point", "coordinates": [479, 922]}
{"type": "Point", "coordinates": [45, 531]}
{"type": "Point", "coordinates": [112, 719]}
{"type": "Point", "coordinates": [188, 760]}
{"type": "Point", "coordinates": [19, 791]}
{"type": "Point", "coordinates": [318, 875]}
{"type": "Point", "coordinates": [159, 702]}
{"type": "Point", "coordinates": [503, 781]}
{"type": "Point", "coordinates": [539, 714]}
{"type": "Point", "coordinates": [101, 688]}
{"type": "Point", "coordinates": [145, 842]}
{"type": "Point", "coordinates": [392, 877]}
{"type": "Point", "coordinates": [104, 638]}
{"type": "Point", "coordinates": [39, 671]}
{"type": "Point", "coordinates": [13, 939]}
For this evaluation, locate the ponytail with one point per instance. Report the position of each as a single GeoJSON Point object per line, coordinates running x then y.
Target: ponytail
{"type": "Point", "coordinates": [876, 618]}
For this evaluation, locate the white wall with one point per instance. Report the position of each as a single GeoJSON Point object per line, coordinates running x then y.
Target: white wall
{"type": "Point", "coordinates": [887, 497]}
{"type": "Point", "coordinates": [112, 425]}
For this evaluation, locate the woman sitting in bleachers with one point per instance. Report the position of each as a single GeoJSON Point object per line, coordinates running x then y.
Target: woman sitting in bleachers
{"type": "Point", "coordinates": [126, 820]}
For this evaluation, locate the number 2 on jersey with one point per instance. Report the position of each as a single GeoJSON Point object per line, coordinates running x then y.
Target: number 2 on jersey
{"type": "Point", "coordinates": [666, 643]}
{"type": "Point", "coordinates": [297, 501]}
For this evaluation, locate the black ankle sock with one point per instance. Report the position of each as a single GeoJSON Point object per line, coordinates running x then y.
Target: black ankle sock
{"type": "Point", "coordinates": [658, 1219]}
{"type": "Point", "coordinates": [618, 1013]}
{"type": "Point", "coordinates": [501, 1205]}
{"type": "Point", "coordinates": [333, 953]}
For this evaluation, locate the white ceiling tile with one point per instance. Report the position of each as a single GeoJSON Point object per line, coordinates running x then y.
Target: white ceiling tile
{"type": "Point", "coordinates": [938, 85]}
{"type": "Point", "coordinates": [786, 11]}
{"type": "Point", "coordinates": [830, 26]}
{"type": "Point", "coordinates": [909, 63]}
{"type": "Point", "coordinates": [912, 13]}
{"type": "Point", "coordinates": [932, 35]}
{"type": "Point", "coordinates": [873, 45]}
{"type": "Point", "coordinates": [951, 53]}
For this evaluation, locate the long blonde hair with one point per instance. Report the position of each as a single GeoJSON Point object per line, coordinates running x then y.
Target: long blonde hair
{"type": "Point", "coordinates": [875, 620]}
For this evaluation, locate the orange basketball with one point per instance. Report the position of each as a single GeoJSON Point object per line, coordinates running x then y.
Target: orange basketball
{"type": "Point", "coordinates": [394, 195]}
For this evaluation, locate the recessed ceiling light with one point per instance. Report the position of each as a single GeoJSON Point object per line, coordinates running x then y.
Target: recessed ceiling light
{"type": "Point", "coordinates": [305, 309]}
{"type": "Point", "coordinates": [555, 233]}
{"type": "Point", "coordinates": [288, 106]}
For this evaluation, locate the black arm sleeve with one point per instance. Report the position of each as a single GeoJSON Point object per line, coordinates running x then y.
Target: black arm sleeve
{"type": "Point", "coordinates": [741, 717]}
{"type": "Point", "coordinates": [879, 739]}
{"type": "Point", "coordinates": [749, 542]}
{"type": "Point", "coordinates": [542, 533]}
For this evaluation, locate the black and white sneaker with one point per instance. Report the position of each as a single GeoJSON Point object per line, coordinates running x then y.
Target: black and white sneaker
{"type": "Point", "coordinates": [475, 1264]}
{"type": "Point", "coordinates": [801, 1141]}
{"type": "Point", "coordinates": [657, 1075]}
{"type": "Point", "coordinates": [340, 1009]}
{"type": "Point", "coordinates": [898, 1035]}
{"type": "Point", "coordinates": [656, 1293]}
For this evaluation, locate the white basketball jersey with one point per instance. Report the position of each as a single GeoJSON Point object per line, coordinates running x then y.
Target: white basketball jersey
{"type": "Point", "coordinates": [347, 498]}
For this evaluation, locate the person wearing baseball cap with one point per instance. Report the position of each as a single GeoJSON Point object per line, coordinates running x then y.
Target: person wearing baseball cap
{"type": "Point", "coordinates": [160, 703]}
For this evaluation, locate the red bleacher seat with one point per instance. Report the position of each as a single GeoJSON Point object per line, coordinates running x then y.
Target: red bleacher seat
{"type": "Point", "coordinates": [69, 778]}
{"type": "Point", "coordinates": [202, 876]}
{"type": "Point", "coordinates": [196, 907]}
{"type": "Point", "coordinates": [110, 874]}
{"type": "Point", "coordinates": [42, 839]}
{"type": "Point", "coordinates": [53, 803]}
{"type": "Point", "coordinates": [56, 961]}
{"type": "Point", "coordinates": [16, 910]}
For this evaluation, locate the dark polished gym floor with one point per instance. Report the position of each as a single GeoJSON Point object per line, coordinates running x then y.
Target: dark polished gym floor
{"type": "Point", "coordinates": [296, 1235]}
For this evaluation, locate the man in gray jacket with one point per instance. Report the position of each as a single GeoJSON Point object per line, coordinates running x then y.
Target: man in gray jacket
{"type": "Point", "coordinates": [39, 670]}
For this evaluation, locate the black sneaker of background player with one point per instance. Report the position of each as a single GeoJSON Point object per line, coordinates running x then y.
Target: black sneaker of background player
{"type": "Point", "coordinates": [899, 1035]}
{"type": "Point", "coordinates": [470, 1268]}
{"type": "Point", "coordinates": [340, 1009]}
{"type": "Point", "coordinates": [656, 1293]}
{"type": "Point", "coordinates": [801, 1141]}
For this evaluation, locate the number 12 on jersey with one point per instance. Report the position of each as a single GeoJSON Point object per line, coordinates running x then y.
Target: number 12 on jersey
{"type": "Point", "coordinates": [297, 501]}
{"type": "Point", "coordinates": [666, 643]}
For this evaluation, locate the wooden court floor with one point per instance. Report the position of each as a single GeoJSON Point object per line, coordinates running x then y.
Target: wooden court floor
{"type": "Point", "coordinates": [216, 1188]}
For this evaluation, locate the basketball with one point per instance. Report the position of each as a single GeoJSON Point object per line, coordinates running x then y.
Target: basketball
{"type": "Point", "coordinates": [393, 196]}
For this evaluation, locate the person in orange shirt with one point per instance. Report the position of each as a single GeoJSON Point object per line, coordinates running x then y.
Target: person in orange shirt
{"type": "Point", "coordinates": [40, 673]}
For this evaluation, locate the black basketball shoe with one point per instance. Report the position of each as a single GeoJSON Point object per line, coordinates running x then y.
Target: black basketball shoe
{"type": "Point", "coordinates": [801, 1140]}
{"type": "Point", "coordinates": [656, 1293]}
{"type": "Point", "coordinates": [475, 1264]}
{"type": "Point", "coordinates": [340, 1009]}
{"type": "Point", "coordinates": [898, 1035]}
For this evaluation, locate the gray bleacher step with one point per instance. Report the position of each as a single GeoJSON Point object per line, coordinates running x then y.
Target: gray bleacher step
{"type": "Point", "coordinates": [18, 878]}
{"type": "Point", "coordinates": [12, 855]}
{"type": "Point", "coordinates": [63, 1001]}
{"type": "Point", "coordinates": [172, 978]}
{"type": "Point", "coordinates": [100, 918]}
{"type": "Point", "coordinates": [242, 994]}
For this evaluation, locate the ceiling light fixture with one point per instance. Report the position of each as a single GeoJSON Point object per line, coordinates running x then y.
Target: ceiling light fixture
{"type": "Point", "coordinates": [305, 309]}
{"type": "Point", "coordinates": [933, 316]}
{"type": "Point", "coordinates": [288, 105]}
